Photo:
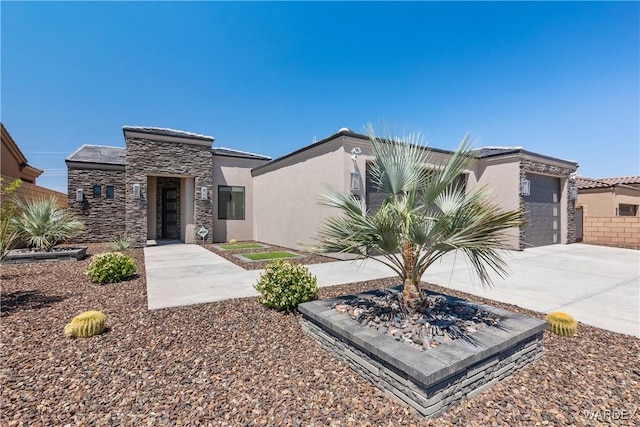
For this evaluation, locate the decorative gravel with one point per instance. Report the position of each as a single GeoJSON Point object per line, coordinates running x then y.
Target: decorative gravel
{"type": "Point", "coordinates": [235, 363]}
{"type": "Point", "coordinates": [230, 255]}
{"type": "Point", "coordinates": [439, 320]}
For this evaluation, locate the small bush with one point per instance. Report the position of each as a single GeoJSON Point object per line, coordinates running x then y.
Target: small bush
{"type": "Point", "coordinates": [110, 267]}
{"type": "Point", "coordinates": [284, 285]}
{"type": "Point", "coordinates": [121, 243]}
{"type": "Point", "coordinates": [42, 224]}
{"type": "Point", "coordinates": [233, 241]}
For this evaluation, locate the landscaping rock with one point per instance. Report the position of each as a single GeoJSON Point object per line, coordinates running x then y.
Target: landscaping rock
{"type": "Point", "coordinates": [236, 363]}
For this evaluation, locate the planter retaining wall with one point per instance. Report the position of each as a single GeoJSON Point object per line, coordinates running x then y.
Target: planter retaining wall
{"type": "Point", "coordinates": [19, 257]}
{"type": "Point", "coordinates": [434, 380]}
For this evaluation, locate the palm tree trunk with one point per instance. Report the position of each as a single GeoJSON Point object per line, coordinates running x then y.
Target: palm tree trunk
{"type": "Point", "coordinates": [411, 292]}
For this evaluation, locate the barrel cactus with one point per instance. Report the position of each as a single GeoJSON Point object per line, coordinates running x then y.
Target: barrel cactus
{"type": "Point", "coordinates": [85, 324]}
{"type": "Point", "coordinates": [562, 324]}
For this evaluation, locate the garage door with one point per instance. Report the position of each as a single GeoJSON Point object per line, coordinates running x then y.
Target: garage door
{"type": "Point", "coordinates": [543, 211]}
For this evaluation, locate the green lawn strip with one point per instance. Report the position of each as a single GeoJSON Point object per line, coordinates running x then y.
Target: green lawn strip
{"type": "Point", "coordinates": [259, 256]}
{"type": "Point", "coordinates": [242, 246]}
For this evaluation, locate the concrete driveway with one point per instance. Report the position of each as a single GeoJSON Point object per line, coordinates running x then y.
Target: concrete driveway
{"type": "Point", "coordinates": [597, 285]}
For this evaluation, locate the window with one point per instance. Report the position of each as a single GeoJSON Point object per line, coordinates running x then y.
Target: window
{"type": "Point", "coordinates": [230, 202]}
{"type": "Point", "coordinates": [97, 191]}
{"type": "Point", "coordinates": [627, 210]}
{"type": "Point", "coordinates": [109, 191]}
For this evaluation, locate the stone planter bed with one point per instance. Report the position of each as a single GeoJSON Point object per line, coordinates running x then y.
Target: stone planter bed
{"type": "Point", "coordinates": [232, 255]}
{"type": "Point", "coordinates": [235, 363]}
{"type": "Point", "coordinates": [19, 256]}
{"type": "Point", "coordinates": [244, 258]}
{"type": "Point", "coordinates": [438, 378]}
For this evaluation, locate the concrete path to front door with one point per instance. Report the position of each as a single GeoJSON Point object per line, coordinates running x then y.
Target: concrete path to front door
{"type": "Point", "coordinates": [597, 285]}
{"type": "Point", "coordinates": [183, 274]}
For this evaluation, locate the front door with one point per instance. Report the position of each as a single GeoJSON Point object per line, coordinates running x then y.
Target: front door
{"type": "Point", "coordinates": [170, 213]}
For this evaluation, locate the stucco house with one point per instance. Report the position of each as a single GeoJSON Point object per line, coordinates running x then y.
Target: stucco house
{"type": "Point", "coordinates": [14, 165]}
{"type": "Point", "coordinates": [168, 184]}
{"type": "Point", "coordinates": [609, 196]}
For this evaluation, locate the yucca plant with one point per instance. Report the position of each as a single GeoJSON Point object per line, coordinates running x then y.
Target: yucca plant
{"type": "Point", "coordinates": [426, 215]}
{"type": "Point", "coordinates": [42, 224]}
{"type": "Point", "coordinates": [121, 243]}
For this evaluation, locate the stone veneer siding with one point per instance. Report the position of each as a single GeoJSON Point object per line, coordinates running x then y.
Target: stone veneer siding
{"type": "Point", "coordinates": [146, 157]}
{"type": "Point", "coordinates": [104, 218]}
{"type": "Point", "coordinates": [545, 169]}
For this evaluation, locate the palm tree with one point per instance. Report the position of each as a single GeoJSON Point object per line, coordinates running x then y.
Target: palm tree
{"type": "Point", "coordinates": [427, 214]}
{"type": "Point", "coordinates": [42, 224]}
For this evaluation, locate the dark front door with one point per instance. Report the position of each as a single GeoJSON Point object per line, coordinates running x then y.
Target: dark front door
{"type": "Point", "coordinates": [170, 213]}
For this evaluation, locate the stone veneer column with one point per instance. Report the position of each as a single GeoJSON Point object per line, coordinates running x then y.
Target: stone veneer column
{"type": "Point", "coordinates": [177, 159]}
{"type": "Point", "coordinates": [545, 169]}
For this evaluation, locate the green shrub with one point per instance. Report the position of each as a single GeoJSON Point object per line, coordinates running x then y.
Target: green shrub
{"type": "Point", "coordinates": [8, 211]}
{"type": "Point", "coordinates": [110, 267]}
{"type": "Point", "coordinates": [42, 224]}
{"type": "Point", "coordinates": [121, 243]}
{"type": "Point", "coordinates": [284, 285]}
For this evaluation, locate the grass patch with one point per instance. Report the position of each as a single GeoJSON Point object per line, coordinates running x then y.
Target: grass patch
{"type": "Point", "coordinates": [259, 256]}
{"type": "Point", "coordinates": [241, 246]}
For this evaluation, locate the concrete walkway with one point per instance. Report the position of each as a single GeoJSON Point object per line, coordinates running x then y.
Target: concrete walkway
{"type": "Point", "coordinates": [597, 285]}
{"type": "Point", "coordinates": [189, 274]}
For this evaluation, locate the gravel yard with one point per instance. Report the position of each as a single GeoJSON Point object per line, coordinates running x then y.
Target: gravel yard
{"type": "Point", "coordinates": [236, 363]}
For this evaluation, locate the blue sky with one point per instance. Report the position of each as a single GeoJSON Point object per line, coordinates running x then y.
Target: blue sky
{"type": "Point", "coordinates": [561, 79]}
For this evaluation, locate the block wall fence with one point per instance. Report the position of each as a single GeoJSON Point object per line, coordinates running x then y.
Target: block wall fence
{"type": "Point", "coordinates": [614, 231]}
{"type": "Point", "coordinates": [28, 191]}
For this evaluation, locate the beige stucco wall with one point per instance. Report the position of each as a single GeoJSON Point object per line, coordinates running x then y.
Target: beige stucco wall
{"type": "Point", "coordinates": [285, 207]}
{"type": "Point", "coordinates": [597, 202]}
{"type": "Point", "coordinates": [501, 178]}
{"type": "Point", "coordinates": [234, 171]}
{"type": "Point", "coordinates": [10, 166]}
{"type": "Point", "coordinates": [627, 196]}
{"type": "Point", "coordinates": [601, 202]}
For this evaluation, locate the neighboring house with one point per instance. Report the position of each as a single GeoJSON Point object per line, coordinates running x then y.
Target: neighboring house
{"type": "Point", "coordinates": [607, 211]}
{"type": "Point", "coordinates": [14, 165]}
{"type": "Point", "coordinates": [609, 196]}
{"type": "Point", "coordinates": [14, 162]}
{"type": "Point", "coordinates": [168, 184]}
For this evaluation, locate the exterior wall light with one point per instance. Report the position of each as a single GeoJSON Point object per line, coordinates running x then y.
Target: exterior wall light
{"type": "Point", "coordinates": [136, 191]}
{"type": "Point", "coordinates": [203, 193]}
{"type": "Point", "coordinates": [355, 181]}
{"type": "Point", "coordinates": [79, 195]}
{"type": "Point", "coordinates": [525, 186]}
{"type": "Point", "coordinates": [573, 192]}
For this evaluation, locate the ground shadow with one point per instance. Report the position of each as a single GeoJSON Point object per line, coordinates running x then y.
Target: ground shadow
{"type": "Point", "coordinates": [27, 300]}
